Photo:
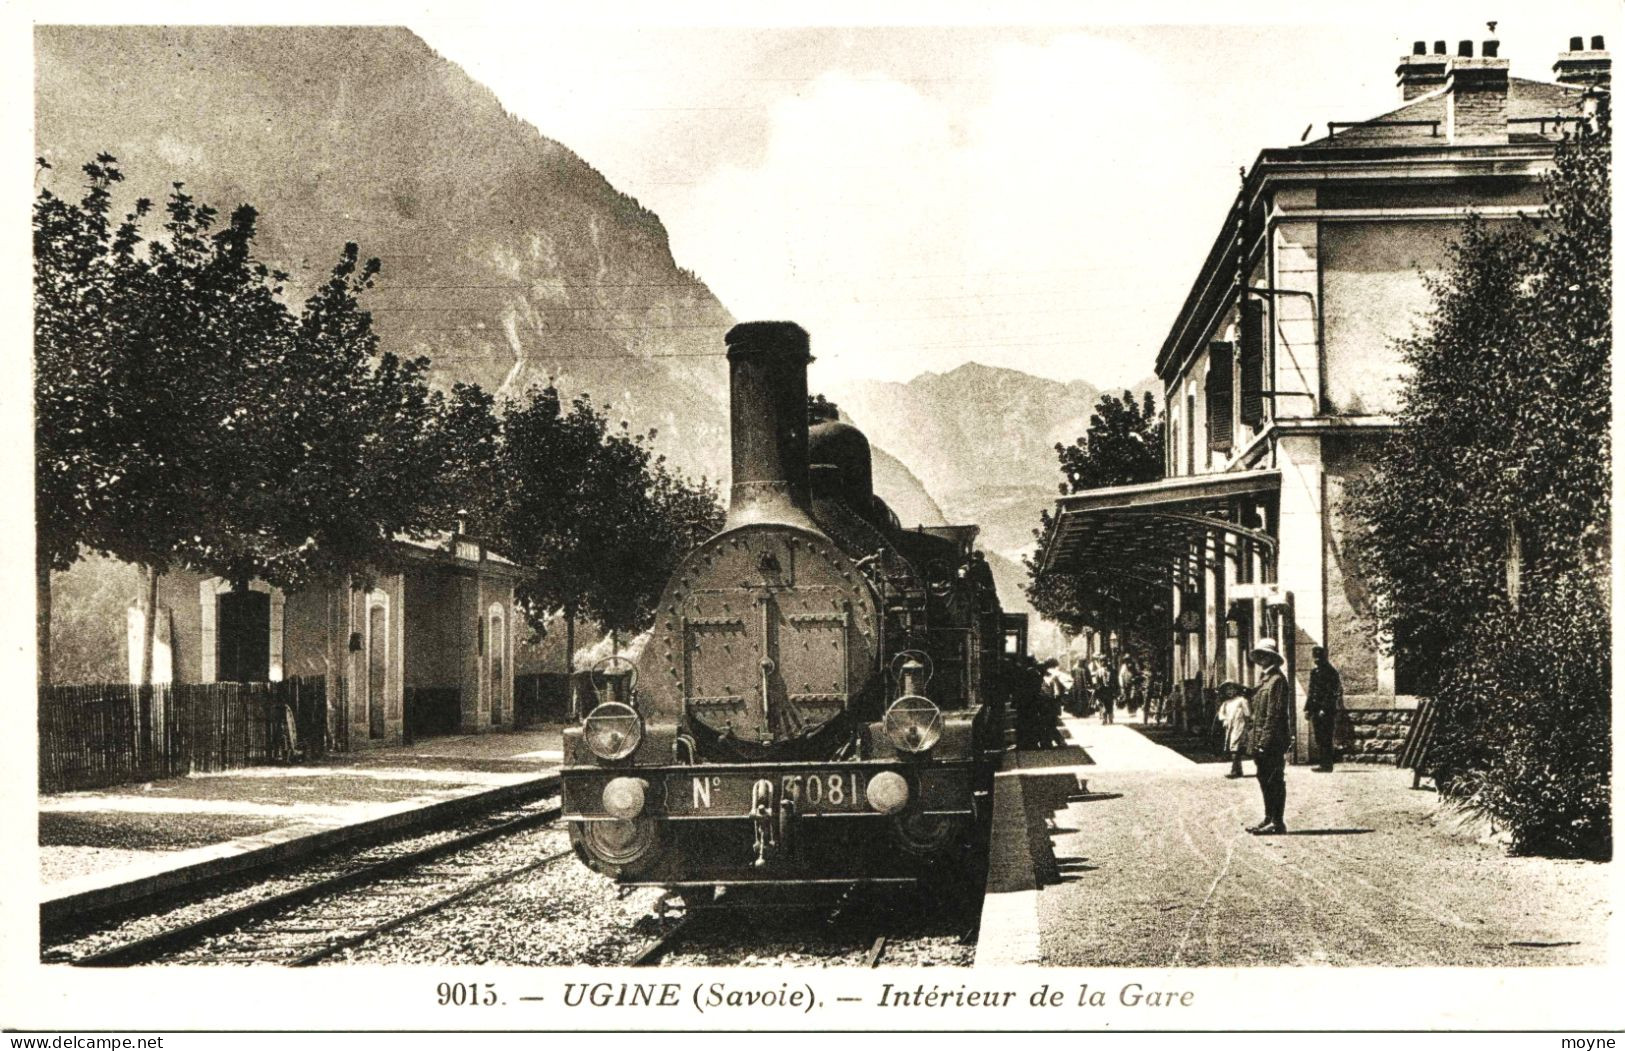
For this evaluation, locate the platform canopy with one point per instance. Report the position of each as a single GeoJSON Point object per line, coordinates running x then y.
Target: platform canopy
{"type": "Point", "coordinates": [1158, 532]}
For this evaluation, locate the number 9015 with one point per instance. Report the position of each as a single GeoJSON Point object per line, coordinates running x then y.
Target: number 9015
{"type": "Point", "coordinates": [465, 994]}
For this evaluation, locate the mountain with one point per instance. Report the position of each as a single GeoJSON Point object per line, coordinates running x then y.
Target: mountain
{"type": "Point", "coordinates": [507, 259]}
{"type": "Point", "coordinates": [898, 486]}
{"type": "Point", "coordinates": [981, 439]}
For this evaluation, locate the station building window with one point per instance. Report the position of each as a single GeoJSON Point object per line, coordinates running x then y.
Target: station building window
{"type": "Point", "coordinates": [1252, 363]}
{"type": "Point", "coordinates": [1220, 398]}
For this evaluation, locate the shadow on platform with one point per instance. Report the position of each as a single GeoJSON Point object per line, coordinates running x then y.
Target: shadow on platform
{"type": "Point", "coordinates": [1195, 747]}
{"type": "Point", "coordinates": [1044, 795]}
{"type": "Point", "coordinates": [1039, 758]}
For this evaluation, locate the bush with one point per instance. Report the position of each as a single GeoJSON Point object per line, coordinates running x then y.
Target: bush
{"type": "Point", "coordinates": [1528, 737]}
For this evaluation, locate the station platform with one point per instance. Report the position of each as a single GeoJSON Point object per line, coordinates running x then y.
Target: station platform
{"type": "Point", "coordinates": [104, 847]}
{"type": "Point", "coordinates": [1128, 848]}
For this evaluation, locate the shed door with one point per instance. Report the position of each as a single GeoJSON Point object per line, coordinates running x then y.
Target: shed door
{"type": "Point", "coordinates": [243, 637]}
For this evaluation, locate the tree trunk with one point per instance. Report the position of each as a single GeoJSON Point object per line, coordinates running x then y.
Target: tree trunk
{"type": "Point", "coordinates": [42, 617]}
{"type": "Point", "coordinates": [144, 747]}
{"type": "Point", "coordinates": [569, 641]}
{"type": "Point", "coordinates": [150, 619]}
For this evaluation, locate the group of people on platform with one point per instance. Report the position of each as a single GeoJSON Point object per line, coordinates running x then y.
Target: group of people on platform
{"type": "Point", "coordinates": [1041, 690]}
{"type": "Point", "coordinates": [1096, 685]}
{"type": "Point", "coordinates": [1036, 701]}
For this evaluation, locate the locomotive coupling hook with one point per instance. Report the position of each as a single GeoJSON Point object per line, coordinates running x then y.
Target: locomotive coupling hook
{"type": "Point", "coordinates": [761, 810]}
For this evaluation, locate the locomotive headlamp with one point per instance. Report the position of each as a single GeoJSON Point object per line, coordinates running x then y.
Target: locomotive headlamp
{"type": "Point", "coordinates": [623, 797]}
{"type": "Point", "coordinates": [887, 792]}
{"type": "Point", "coordinates": [612, 730]}
{"type": "Point", "coordinates": [913, 724]}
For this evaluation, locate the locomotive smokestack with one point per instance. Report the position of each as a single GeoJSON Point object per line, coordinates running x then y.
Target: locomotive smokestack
{"type": "Point", "coordinates": [767, 378]}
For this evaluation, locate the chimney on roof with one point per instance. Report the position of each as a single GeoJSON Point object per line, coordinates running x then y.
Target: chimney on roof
{"type": "Point", "coordinates": [1583, 67]}
{"type": "Point", "coordinates": [1420, 72]}
{"type": "Point", "coordinates": [1476, 97]}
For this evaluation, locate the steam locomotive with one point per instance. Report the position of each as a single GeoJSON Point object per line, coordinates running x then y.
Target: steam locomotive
{"type": "Point", "coordinates": [819, 700]}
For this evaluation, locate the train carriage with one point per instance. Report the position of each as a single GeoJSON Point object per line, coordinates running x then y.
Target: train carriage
{"type": "Point", "coordinates": [819, 699]}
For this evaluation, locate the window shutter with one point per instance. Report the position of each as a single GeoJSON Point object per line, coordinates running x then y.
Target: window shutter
{"type": "Point", "coordinates": [1252, 362]}
{"type": "Point", "coordinates": [1220, 397]}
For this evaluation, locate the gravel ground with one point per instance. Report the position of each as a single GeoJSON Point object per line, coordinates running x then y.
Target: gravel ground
{"type": "Point", "coordinates": [558, 915]}
{"type": "Point", "coordinates": [564, 914]}
{"type": "Point", "coordinates": [917, 935]}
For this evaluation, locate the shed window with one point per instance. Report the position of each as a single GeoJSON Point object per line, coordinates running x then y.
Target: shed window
{"type": "Point", "coordinates": [1252, 362]}
{"type": "Point", "coordinates": [1220, 398]}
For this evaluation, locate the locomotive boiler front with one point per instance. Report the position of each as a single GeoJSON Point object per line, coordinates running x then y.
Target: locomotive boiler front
{"type": "Point", "coordinates": [762, 707]}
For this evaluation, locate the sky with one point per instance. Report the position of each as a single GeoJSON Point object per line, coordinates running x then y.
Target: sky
{"type": "Point", "coordinates": [1038, 197]}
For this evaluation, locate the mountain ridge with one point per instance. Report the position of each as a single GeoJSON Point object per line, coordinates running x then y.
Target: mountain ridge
{"type": "Point", "coordinates": [508, 259]}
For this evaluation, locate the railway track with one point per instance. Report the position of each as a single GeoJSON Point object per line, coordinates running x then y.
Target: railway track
{"type": "Point", "coordinates": [380, 904]}
{"type": "Point", "coordinates": [335, 905]}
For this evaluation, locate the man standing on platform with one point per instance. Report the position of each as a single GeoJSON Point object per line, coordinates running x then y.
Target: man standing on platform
{"type": "Point", "coordinates": [1272, 736]}
{"type": "Point", "coordinates": [1078, 699]}
{"type": "Point", "coordinates": [1325, 700]}
{"type": "Point", "coordinates": [1106, 692]}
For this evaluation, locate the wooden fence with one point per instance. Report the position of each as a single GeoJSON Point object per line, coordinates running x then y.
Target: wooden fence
{"type": "Point", "coordinates": [108, 734]}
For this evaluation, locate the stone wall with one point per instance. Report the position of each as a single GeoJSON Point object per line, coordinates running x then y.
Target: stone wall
{"type": "Point", "coordinates": [1372, 735]}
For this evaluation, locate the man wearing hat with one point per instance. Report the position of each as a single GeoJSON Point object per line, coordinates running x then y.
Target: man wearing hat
{"type": "Point", "coordinates": [1325, 698]}
{"type": "Point", "coordinates": [1272, 736]}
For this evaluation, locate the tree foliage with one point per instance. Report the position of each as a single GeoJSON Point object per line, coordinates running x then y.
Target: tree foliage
{"type": "Point", "coordinates": [1122, 446]}
{"type": "Point", "coordinates": [1502, 453]}
{"type": "Point", "coordinates": [597, 519]}
{"type": "Point", "coordinates": [185, 415]}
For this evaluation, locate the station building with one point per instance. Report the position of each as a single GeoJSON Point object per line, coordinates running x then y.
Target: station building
{"type": "Point", "coordinates": [1281, 372]}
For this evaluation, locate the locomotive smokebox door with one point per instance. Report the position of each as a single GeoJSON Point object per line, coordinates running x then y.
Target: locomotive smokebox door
{"type": "Point", "coordinates": [772, 641]}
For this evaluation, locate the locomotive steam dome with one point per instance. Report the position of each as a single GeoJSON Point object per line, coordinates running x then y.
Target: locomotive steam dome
{"type": "Point", "coordinates": [769, 630]}
{"type": "Point", "coordinates": [842, 462]}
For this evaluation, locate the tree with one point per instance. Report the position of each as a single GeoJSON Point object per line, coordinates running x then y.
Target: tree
{"type": "Point", "coordinates": [1484, 520]}
{"type": "Point", "coordinates": [1122, 446]}
{"type": "Point", "coordinates": [598, 521]}
{"type": "Point", "coordinates": [185, 416]}
{"type": "Point", "coordinates": [687, 513]}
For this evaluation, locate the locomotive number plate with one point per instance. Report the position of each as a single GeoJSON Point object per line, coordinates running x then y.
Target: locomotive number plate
{"type": "Point", "coordinates": [732, 795]}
